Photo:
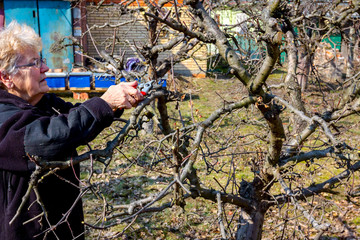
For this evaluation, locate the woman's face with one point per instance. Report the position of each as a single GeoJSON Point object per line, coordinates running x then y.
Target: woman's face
{"type": "Point", "coordinates": [29, 82]}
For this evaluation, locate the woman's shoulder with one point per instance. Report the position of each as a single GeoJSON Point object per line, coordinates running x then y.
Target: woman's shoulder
{"type": "Point", "coordinates": [8, 99]}
{"type": "Point", "coordinates": [7, 110]}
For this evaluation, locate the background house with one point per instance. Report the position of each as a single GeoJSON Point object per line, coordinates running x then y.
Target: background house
{"type": "Point", "coordinates": [134, 32]}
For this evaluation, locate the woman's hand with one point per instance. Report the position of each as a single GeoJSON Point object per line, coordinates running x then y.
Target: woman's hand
{"type": "Point", "coordinates": [123, 95]}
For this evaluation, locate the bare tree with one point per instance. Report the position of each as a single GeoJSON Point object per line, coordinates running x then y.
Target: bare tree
{"type": "Point", "coordinates": [290, 167]}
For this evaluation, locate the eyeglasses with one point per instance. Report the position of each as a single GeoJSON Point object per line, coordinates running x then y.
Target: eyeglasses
{"type": "Point", "coordinates": [38, 62]}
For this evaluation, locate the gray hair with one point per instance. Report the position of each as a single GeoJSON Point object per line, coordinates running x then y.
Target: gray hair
{"type": "Point", "coordinates": [14, 40]}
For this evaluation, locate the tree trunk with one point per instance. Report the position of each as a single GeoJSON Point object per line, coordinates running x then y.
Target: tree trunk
{"type": "Point", "coordinates": [292, 86]}
{"type": "Point", "coordinates": [303, 69]}
{"type": "Point", "coordinates": [152, 29]}
{"type": "Point", "coordinates": [350, 57]}
{"type": "Point", "coordinates": [250, 225]}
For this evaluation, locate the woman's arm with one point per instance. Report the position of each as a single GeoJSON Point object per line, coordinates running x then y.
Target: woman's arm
{"type": "Point", "coordinates": [58, 136]}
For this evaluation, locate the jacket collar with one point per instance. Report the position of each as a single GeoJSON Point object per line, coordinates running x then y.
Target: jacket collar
{"type": "Point", "coordinates": [8, 98]}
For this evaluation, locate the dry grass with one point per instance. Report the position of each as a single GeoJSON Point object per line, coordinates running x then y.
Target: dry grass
{"type": "Point", "coordinates": [121, 184]}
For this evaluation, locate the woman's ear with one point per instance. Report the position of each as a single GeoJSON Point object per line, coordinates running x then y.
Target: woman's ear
{"type": "Point", "coordinates": [6, 81]}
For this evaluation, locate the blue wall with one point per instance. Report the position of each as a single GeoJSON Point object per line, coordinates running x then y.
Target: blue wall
{"type": "Point", "coordinates": [51, 20]}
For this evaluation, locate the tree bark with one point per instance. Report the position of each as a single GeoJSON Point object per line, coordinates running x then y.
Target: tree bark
{"type": "Point", "coordinates": [250, 225]}
{"type": "Point", "coordinates": [303, 69]}
{"type": "Point", "coordinates": [292, 86]}
{"type": "Point", "coordinates": [350, 57]}
{"type": "Point", "coordinates": [152, 27]}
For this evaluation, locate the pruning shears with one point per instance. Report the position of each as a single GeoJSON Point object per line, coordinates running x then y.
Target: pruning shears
{"type": "Point", "coordinates": [145, 87]}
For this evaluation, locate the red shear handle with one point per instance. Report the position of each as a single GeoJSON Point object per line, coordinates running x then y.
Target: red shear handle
{"type": "Point", "coordinates": [142, 92]}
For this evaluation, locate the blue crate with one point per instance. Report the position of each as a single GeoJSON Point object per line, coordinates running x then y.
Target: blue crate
{"type": "Point", "coordinates": [56, 81]}
{"type": "Point", "coordinates": [103, 81]}
{"type": "Point", "coordinates": [124, 79]}
{"type": "Point", "coordinates": [80, 80]}
{"type": "Point", "coordinates": [162, 82]}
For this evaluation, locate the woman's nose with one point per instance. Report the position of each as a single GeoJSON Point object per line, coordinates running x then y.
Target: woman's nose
{"type": "Point", "coordinates": [44, 68]}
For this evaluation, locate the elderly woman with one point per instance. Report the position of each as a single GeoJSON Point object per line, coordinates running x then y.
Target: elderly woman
{"type": "Point", "coordinates": [35, 123]}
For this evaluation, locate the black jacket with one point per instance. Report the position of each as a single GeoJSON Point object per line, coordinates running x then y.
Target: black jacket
{"type": "Point", "coordinates": [52, 129]}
